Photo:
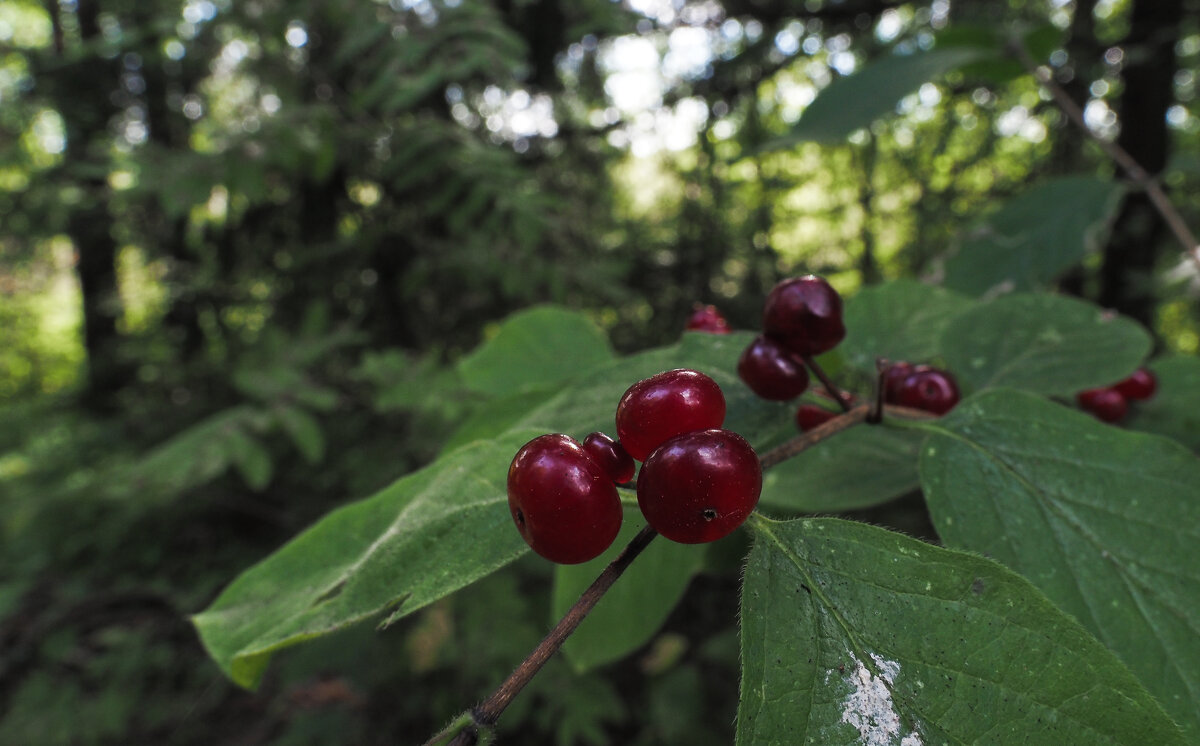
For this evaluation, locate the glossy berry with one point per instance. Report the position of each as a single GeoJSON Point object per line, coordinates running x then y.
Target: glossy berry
{"type": "Point", "coordinates": [564, 503]}
{"type": "Point", "coordinates": [707, 319]}
{"type": "Point", "coordinates": [699, 486]}
{"type": "Point", "coordinates": [610, 455]}
{"type": "Point", "coordinates": [1107, 404]}
{"type": "Point", "coordinates": [929, 389]}
{"type": "Point", "coordinates": [809, 416]}
{"type": "Point", "coordinates": [1139, 386]}
{"type": "Point", "coordinates": [804, 314]}
{"type": "Point", "coordinates": [771, 371]}
{"type": "Point", "coordinates": [671, 403]}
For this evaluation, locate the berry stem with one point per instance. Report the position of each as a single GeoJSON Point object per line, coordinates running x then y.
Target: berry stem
{"type": "Point", "coordinates": [825, 380]}
{"type": "Point", "coordinates": [488, 712]}
{"type": "Point", "coordinates": [876, 414]}
{"type": "Point", "coordinates": [1119, 155]}
{"type": "Point", "coordinates": [788, 449]}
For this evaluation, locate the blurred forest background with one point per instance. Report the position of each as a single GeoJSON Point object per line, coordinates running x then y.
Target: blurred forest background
{"type": "Point", "coordinates": [244, 243]}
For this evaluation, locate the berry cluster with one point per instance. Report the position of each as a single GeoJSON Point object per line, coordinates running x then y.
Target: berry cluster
{"type": "Point", "coordinates": [697, 484]}
{"type": "Point", "coordinates": [920, 387]}
{"type": "Point", "coordinates": [802, 317]}
{"type": "Point", "coordinates": [1111, 403]}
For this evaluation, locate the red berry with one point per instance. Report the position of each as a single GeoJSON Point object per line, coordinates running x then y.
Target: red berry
{"type": "Point", "coordinates": [929, 389]}
{"type": "Point", "coordinates": [771, 371]}
{"type": "Point", "coordinates": [707, 319]}
{"type": "Point", "coordinates": [894, 376]}
{"type": "Point", "coordinates": [610, 455]}
{"type": "Point", "coordinates": [804, 314]}
{"type": "Point", "coordinates": [564, 503]}
{"type": "Point", "coordinates": [671, 403]}
{"type": "Point", "coordinates": [1107, 404]}
{"type": "Point", "coordinates": [1139, 386]}
{"type": "Point", "coordinates": [809, 416]}
{"type": "Point", "coordinates": [699, 486]}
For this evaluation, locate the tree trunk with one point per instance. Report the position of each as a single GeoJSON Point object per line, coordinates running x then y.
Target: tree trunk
{"type": "Point", "coordinates": [1126, 276]}
{"type": "Point", "coordinates": [85, 108]}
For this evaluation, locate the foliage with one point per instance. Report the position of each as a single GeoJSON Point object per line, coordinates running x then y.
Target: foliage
{"type": "Point", "coordinates": [368, 248]}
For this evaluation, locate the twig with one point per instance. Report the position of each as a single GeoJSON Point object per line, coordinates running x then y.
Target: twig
{"type": "Point", "coordinates": [488, 712]}
{"type": "Point", "coordinates": [1132, 168]}
{"type": "Point", "coordinates": [838, 395]}
{"type": "Point", "coordinates": [828, 429]}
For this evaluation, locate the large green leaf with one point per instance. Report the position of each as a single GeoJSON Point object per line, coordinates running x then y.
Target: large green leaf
{"type": "Point", "coordinates": [1034, 238]}
{"type": "Point", "coordinates": [1106, 522]}
{"type": "Point", "coordinates": [1044, 343]}
{"type": "Point", "coordinates": [857, 468]}
{"type": "Point", "coordinates": [1175, 410]}
{"type": "Point", "coordinates": [631, 612]}
{"type": "Point", "coordinates": [901, 320]}
{"type": "Point", "coordinates": [853, 102]}
{"type": "Point", "coordinates": [427, 535]}
{"type": "Point", "coordinates": [856, 635]}
{"type": "Point", "coordinates": [533, 349]}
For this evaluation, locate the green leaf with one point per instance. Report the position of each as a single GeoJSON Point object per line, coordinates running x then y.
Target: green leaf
{"type": "Point", "coordinates": [1000, 66]}
{"type": "Point", "coordinates": [1104, 521]}
{"type": "Point", "coordinates": [494, 417]}
{"type": "Point", "coordinates": [534, 349]}
{"type": "Point", "coordinates": [250, 458]}
{"type": "Point", "coordinates": [901, 320]}
{"type": "Point", "coordinates": [424, 537]}
{"type": "Point", "coordinates": [304, 430]}
{"type": "Point", "coordinates": [1175, 410]}
{"type": "Point", "coordinates": [857, 468]}
{"type": "Point", "coordinates": [1045, 343]}
{"type": "Point", "coordinates": [854, 634]}
{"type": "Point", "coordinates": [853, 102]}
{"type": "Point", "coordinates": [1034, 238]}
{"type": "Point", "coordinates": [630, 614]}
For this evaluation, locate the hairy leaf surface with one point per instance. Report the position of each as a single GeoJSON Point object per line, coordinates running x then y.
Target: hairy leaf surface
{"type": "Point", "coordinates": [856, 635]}
{"type": "Point", "coordinates": [1106, 522]}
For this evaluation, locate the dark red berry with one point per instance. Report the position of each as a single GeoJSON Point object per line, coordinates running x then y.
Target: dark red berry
{"type": "Point", "coordinates": [930, 389]}
{"type": "Point", "coordinates": [771, 371]}
{"type": "Point", "coordinates": [610, 455]}
{"type": "Point", "coordinates": [671, 403]}
{"type": "Point", "coordinates": [1139, 386]}
{"type": "Point", "coordinates": [809, 416]}
{"type": "Point", "coordinates": [699, 486]}
{"type": "Point", "coordinates": [707, 319]}
{"type": "Point", "coordinates": [804, 314]}
{"type": "Point", "coordinates": [894, 376]}
{"type": "Point", "coordinates": [1107, 404]}
{"type": "Point", "coordinates": [564, 503]}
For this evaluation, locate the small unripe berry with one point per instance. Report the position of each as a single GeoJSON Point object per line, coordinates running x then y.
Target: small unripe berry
{"type": "Point", "coordinates": [809, 416]}
{"type": "Point", "coordinates": [894, 376]}
{"type": "Point", "coordinates": [1106, 404]}
{"type": "Point", "coordinates": [610, 455]}
{"type": "Point", "coordinates": [658, 408]}
{"type": "Point", "coordinates": [707, 319]}
{"type": "Point", "coordinates": [564, 503]}
{"type": "Point", "coordinates": [771, 371]}
{"type": "Point", "coordinates": [1140, 385]}
{"type": "Point", "coordinates": [804, 314]}
{"type": "Point", "coordinates": [929, 389]}
{"type": "Point", "coordinates": [700, 486]}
